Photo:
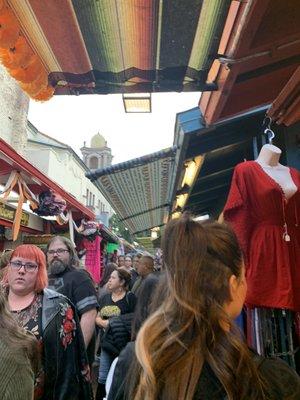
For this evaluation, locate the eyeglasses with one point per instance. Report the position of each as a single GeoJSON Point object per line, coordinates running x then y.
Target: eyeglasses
{"type": "Point", "coordinates": [17, 265]}
{"type": "Point", "coordinates": [58, 251]}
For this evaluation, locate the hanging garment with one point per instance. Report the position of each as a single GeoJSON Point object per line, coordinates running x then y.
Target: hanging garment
{"type": "Point", "coordinates": [93, 258]}
{"type": "Point", "coordinates": [272, 333]}
{"type": "Point", "coordinates": [267, 227]}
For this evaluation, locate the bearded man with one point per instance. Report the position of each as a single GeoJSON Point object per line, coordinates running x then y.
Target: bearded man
{"type": "Point", "coordinates": [74, 283]}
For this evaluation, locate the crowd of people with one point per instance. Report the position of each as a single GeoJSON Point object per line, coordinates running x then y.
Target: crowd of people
{"type": "Point", "coordinates": [166, 334]}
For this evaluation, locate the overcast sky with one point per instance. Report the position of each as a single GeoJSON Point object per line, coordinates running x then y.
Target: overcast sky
{"type": "Point", "coordinates": [75, 119]}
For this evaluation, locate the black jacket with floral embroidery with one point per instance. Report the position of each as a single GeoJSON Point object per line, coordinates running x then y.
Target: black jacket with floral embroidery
{"type": "Point", "coordinates": [67, 374]}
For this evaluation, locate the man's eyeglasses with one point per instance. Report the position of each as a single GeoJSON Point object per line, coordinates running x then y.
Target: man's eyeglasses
{"type": "Point", "coordinates": [29, 267]}
{"type": "Point", "coordinates": [57, 251]}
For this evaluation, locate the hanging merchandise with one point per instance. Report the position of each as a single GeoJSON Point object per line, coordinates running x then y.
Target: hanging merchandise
{"type": "Point", "coordinates": [89, 229]}
{"type": "Point", "coordinates": [93, 257]}
{"type": "Point", "coordinates": [50, 204]}
{"type": "Point", "coordinates": [263, 208]}
{"type": "Point", "coordinates": [16, 179]}
{"type": "Point", "coordinates": [273, 332]}
{"type": "Point", "coordinates": [111, 247]}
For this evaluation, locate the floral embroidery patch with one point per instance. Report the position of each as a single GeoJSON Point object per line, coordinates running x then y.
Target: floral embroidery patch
{"type": "Point", "coordinates": [68, 328]}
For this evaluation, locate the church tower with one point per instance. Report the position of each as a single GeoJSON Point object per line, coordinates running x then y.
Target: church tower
{"type": "Point", "coordinates": [98, 155]}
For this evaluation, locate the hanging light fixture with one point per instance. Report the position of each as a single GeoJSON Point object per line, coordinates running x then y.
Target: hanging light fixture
{"type": "Point", "coordinates": [181, 200]}
{"type": "Point", "coordinates": [191, 171]}
{"type": "Point", "coordinates": [176, 214]}
{"type": "Point", "coordinates": [137, 102]}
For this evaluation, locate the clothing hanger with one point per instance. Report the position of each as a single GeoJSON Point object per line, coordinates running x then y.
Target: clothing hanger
{"type": "Point", "coordinates": [268, 131]}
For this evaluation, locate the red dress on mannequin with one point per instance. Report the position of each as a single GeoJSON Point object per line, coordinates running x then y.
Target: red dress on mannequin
{"type": "Point", "coordinates": [264, 221]}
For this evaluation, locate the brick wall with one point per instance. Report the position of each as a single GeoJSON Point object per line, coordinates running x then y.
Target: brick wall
{"type": "Point", "coordinates": [13, 112]}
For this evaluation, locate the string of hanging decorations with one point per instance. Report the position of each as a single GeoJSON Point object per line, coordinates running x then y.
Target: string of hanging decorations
{"type": "Point", "coordinates": [46, 204]}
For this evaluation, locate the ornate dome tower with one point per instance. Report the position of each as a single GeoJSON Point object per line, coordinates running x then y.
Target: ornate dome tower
{"type": "Point", "coordinates": [98, 155]}
{"type": "Point", "coordinates": [98, 141]}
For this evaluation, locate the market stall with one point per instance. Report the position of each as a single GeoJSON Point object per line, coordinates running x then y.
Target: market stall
{"type": "Point", "coordinates": [22, 183]}
{"type": "Point", "coordinates": [237, 180]}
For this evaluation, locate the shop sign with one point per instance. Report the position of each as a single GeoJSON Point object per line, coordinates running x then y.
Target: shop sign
{"type": "Point", "coordinates": [8, 213]}
{"type": "Point", "coordinates": [37, 239]}
{"type": "Point", "coordinates": [41, 239]}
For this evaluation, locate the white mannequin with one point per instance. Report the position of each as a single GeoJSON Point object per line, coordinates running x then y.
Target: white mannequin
{"type": "Point", "coordinates": [268, 159]}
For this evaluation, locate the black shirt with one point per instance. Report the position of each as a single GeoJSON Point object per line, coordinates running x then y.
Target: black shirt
{"type": "Point", "coordinates": [77, 285]}
{"type": "Point", "coordinates": [109, 308]}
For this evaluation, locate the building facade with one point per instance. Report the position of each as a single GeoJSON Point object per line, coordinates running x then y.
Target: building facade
{"type": "Point", "coordinates": [13, 112]}
{"type": "Point", "coordinates": [60, 162]}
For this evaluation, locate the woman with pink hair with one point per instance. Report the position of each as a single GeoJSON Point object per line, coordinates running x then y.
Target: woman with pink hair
{"type": "Point", "coordinates": [64, 371]}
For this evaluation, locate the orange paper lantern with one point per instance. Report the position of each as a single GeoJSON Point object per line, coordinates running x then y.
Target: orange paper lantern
{"type": "Point", "coordinates": [9, 29]}
{"type": "Point", "coordinates": [19, 56]}
{"type": "Point", "coordinates": [45, 94]}
{"type": "Point", "coordinates": [36, 86]}
{"type": "Point", "coordinates": [2, 5]}
{"type": "Point", "coordinates": [30, 73]}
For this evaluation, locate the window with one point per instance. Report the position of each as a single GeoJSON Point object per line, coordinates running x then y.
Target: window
{"type": "Point", "coordinates": [93, 162]}
{"type": "Point", "coordinates": [87, 197]}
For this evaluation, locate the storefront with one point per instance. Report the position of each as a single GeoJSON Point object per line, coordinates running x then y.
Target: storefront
{"type": "Point", "coordinates": [27, 178]}
{"type": "Point", "coordinates": [30, 225]}
{"type": "Point", "coordinates": [230, 186]}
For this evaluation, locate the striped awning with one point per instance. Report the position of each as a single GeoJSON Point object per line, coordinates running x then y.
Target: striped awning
{"type": "Point", "coordinates": [139, 189]}
{"type": "Point", "coordinates": [117, 46]}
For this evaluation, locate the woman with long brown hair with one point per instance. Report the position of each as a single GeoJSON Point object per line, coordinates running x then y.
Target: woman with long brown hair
{"type": "Point", "coordinates": [189, 348]}
{"type": "Point", "coordinates": [18, 360]}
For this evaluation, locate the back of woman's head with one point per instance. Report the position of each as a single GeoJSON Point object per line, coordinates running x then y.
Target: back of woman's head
{"type": "Point", "coordinates": [188, 330]}
{"type": "Point", "coordinates": [4, 258]}
{"type": "Point", "coordinates": [199, 259]}
{"type": "Point", "coordinates": [148, 291]}
{"type": "Point", "coordinates": [109, 268]}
